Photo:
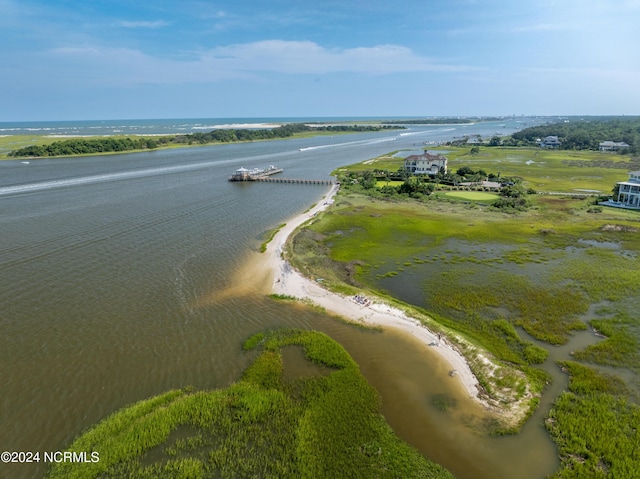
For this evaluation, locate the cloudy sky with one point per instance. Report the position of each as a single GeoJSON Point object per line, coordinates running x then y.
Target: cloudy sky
{"type": "Point", "coordinates": [108, 59]}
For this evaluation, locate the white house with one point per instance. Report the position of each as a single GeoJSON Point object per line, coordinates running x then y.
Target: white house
{"type": "Point", "coordinates": [628, 192]}
{"type": "Point", "coordinates": [549, 142]}
{"type": "Point", "coordinates": [425, 164]}
{"type": "Point", "coordinates": [612, 145]}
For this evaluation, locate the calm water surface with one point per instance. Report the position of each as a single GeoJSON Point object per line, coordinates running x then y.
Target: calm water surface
{"type": "Point", "coordinates": [117, 283]}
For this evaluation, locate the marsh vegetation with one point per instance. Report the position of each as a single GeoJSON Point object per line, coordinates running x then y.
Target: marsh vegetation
{"type": "Point", "coordinates": [323, 424]}
{"type": "Point", "coordinates": [484, 274]}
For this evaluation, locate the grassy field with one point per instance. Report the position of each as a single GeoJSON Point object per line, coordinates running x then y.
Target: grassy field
{"type": "Point", "coordinates": [484, 274]}
{"type": "Point", "coordinates": [15, 142]}
{"type": "Point", "coordinates": [266, 425]}
{"type": "Point", "coordinates": [550, 170]}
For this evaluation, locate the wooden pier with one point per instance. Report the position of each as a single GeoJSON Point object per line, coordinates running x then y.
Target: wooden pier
{"type": "Point", "coordinates": [265, 174]}
{"type": "Point", "coordinates": [295, 180]}
{"type": "Point", "coordinates": [244, 174]}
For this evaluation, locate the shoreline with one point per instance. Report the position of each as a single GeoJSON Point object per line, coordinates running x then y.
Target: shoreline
{"type": "Point", "coordinates": [288, 281]}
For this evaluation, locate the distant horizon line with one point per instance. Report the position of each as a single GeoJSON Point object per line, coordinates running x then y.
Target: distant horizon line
{"type": "Point", "coordinates": [337, 117]}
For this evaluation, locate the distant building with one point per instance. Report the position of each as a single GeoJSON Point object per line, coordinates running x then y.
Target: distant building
{"type": "Point", "coordinates": [628, 193]}
{"type": "Point", "coordinates": [549, 142]}
{"type": "Point", "coordinates": [612, 145]}
{"type": "Point", "coordinates": [425, 164]}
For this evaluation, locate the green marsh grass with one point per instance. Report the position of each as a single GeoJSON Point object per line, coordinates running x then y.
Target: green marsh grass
{"type": "Point", "coordinates": [15, 142]}
{"type": "Point", "coordinates": [621, 346]}
{"type": "Point", "coordinates": [327, 425]}
{"type": "Point", "coordinates": [269, 236]}
{"type": "Point", "coordinates": [596, 426]}
{"type": "Point", "coordinates": [486, 273]}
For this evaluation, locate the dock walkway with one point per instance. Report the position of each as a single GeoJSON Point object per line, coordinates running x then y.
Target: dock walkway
{"type": "Point", "coordinates": [265, 174]}
{"type": "Point", "coordinates": [295, 180]}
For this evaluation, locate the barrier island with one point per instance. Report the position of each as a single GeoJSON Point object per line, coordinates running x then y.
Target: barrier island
{"type": "Point", "coordinates": [89, 146]}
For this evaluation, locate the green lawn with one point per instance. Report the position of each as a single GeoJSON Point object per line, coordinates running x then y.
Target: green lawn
{"type": "Point", "coordinates": [381, 183]}
{"type": "Point", "coordinates": [479, 196]}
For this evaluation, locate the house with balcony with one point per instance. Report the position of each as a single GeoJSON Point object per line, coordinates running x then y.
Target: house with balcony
{"type": "Point", "coordinates": [425, 164]}
{"type": "Point", "coordinates": [549, 142]}
{"type": "Point", "coordinates": [628, 193]}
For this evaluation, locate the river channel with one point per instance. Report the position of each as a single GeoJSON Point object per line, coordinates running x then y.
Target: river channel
{"type": "Point", "coordinates": [117, 284]}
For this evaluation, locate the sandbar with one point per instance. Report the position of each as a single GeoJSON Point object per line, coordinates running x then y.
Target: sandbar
{"type": "Point", "coordinates": [288, 281]}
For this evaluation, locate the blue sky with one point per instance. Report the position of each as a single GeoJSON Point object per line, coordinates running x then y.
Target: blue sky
{"type": "Point", "coordinates": [107, 59]}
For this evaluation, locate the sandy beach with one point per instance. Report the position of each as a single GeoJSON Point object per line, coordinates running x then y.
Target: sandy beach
{"type": "Point", "coordinates": [371, 311]}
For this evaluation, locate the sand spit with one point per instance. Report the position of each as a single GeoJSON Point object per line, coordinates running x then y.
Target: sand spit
{"type": "Point", "coordinates": [371, 311]}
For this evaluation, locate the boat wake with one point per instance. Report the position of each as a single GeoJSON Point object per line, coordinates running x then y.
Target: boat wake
{"type": "Point", "coordinates": [350, 143]}
{"type": "Point", "coordinates": [86, 180]}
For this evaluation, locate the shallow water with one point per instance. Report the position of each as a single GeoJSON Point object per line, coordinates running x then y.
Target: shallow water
{"type": "Point", "coordinates": [117, 282]}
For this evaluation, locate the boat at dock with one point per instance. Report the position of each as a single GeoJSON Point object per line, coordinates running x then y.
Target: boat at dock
{"type": "Point", "coordinates": [265, 174]}
{"type": "Point", "coordinates": [254, 174]}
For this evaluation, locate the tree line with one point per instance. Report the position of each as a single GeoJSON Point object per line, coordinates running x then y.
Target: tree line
{"type": "Point", "coordinates": [583, 134]}
{"type": "Point", "coordinates": [513, 194]}
{"type": "Point", "coordinates": [85, 146]}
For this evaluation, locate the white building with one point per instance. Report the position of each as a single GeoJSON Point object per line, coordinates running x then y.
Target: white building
{"type": "Point", "coordinates": [241, 174]}
{"type": "Point", "coordinates": [612, 145]}
{"type": "Point", "coordinates": [549, 142]}
{"type": "Point", "coordinates": [425, 164]}
{"type": "Point", "coordinates": [629, 192]}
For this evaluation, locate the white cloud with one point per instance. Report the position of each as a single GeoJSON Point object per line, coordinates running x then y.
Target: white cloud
{"type": "Point", "coordinates": [127, 66]}
{"type": "Point", "coordinates": [305, 57]}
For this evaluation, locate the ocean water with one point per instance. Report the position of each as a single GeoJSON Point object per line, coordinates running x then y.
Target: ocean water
{"type": "Point", "coordinates": [184, 126]}
{"type": "Point", "coordinates": [145, 127]}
